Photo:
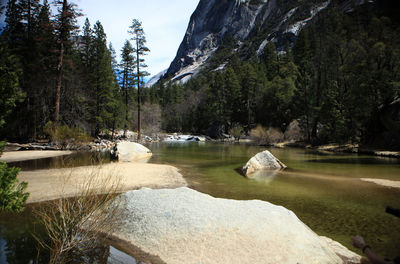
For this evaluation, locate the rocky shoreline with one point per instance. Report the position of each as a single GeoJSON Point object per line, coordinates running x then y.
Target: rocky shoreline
{"type": "Point", "coordinates": [337, 148]}
{"type": "Point", "coordinates": [105, 145]}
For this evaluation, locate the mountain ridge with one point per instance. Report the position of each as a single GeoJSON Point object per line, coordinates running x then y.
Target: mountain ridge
{"type": "Point", "coordinates": [278, 21]}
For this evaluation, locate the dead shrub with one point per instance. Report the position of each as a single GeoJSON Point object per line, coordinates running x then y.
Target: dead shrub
{"type": "Point", "coordinates": [263, 136]}
{"type": "Point", "coordinates": [294, 132]}
{"type": "Point", "coordinates": [73, 224]}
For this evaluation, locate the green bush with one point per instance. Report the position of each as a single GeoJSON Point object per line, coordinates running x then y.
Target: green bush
{"type": "Point", "coordinates": [64, 134]}
{"type": "Point", "coordinates": [236, 131]}
{"type": "Point", "coordinates": [12, 192]}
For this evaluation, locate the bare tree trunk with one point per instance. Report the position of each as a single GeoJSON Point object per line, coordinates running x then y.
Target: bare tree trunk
{"type": "Point", "coordinates": [125, 88]}
{"type": "Point", "coordinates": [58, 84]}
{"type": "Point", "coordinates": [138, 86]}
{"type": "Point", "coordinates": [60, 63]}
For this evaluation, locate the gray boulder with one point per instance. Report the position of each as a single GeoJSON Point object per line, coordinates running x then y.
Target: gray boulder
{"type": "Point", "coordinates": [185, 226]}
{"type": "Point", "coordinates": [262, 161]}
{"type": "Point", "coordinates": [126, 151]}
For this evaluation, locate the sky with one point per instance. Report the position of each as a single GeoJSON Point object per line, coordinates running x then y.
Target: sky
{"type": "Point", "coordinates": [164, 23]}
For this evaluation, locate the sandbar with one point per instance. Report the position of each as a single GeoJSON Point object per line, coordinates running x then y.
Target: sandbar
{"type": "Point", "coordinates": [45, 185]}
{"type": "Point", "coordinates": [14, 156]}
{"type": "Point", "coordinates": [382, 182]}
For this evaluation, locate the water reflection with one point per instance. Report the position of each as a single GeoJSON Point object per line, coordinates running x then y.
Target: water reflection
{"type": "Point", "coordinates": [265, 176]}
{"type": "Point", "coordinates": [68, 161]}
{"type": "Point", "coordinates": [119, 257]}
{"type": "Point", "coordinates": [18, 245]}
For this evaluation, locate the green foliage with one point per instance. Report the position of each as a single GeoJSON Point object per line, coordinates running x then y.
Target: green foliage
{"type": "Point", "coordinates": [346, 75]}
{"type": "Point", "coordinates": [12, 195]}
{"type": "Point", "coordinates": [12, 192]}
{"type": "Point", "coordinates": [236, 131]}
{"type": "Point", "coordinates": [2, 145]}
{"type": "Point", "coordinates": [9, 84]}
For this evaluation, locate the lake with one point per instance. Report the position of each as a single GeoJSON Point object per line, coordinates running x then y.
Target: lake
{"type": "Point", "coordinates": [323, 189]}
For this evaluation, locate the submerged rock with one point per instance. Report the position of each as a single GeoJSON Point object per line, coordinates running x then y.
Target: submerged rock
{"type": "Point", "coordinates": [126, 151]}
{"type": "Point", "coordinates": [185, 226]}
{"type": "Point", "coordinates": [262, 161]}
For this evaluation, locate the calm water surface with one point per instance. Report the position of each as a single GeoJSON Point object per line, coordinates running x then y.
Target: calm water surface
{"type": "Point", "coordinates": [324, 190]}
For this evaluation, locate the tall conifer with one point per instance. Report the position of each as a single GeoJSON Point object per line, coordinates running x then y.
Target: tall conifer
{"type": "Point", "coordinates": [140, 49]}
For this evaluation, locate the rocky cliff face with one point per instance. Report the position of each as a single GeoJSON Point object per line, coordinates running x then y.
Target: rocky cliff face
{"type": "Point", "coordinates": [273, 20]}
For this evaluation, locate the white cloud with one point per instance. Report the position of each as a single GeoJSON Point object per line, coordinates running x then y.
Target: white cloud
{"type": "Point", "coordinates": [164, 22]}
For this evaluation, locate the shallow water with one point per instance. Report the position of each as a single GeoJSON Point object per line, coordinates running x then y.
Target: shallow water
{"type": "Point", "coordinates": [324, 190]}
{"type": "Point", "coordinates": [76, 159]}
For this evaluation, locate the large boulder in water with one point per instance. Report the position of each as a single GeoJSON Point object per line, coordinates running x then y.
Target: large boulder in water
{"type": "Point", "coordinates": [126, 151]}
{"type": "Point", "coordinates": [185, 226]}
{"type": "Point", "coordinates": [262, 161]}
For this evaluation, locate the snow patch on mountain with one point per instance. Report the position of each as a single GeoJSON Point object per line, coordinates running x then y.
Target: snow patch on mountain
{"type": "Point", "coordinates": [199, 58]}
{"type": "Point", "coordinates": [240, 19]}
{"type": "Point", "coordinates": [153, 80]}
{"type": "Point", "coordinates": [295, 28]}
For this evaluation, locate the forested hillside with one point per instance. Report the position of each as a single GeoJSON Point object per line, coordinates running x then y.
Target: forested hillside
{"type": "Point", "coordinates": [340, 80]}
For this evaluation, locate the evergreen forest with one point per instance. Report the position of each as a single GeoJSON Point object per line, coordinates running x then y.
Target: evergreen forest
{"type": "Point", "coordinates": [340, 79]}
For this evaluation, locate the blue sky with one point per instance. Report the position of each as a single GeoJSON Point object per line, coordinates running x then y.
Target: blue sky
{"type": "Point", "coordinates": [164, 22]}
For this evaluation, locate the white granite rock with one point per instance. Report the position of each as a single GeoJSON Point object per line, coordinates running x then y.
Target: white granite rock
{"type": "Point", "coordinates": [127, 151]}
{"type": "Point", "coordinates": [185, 226]}
{"type": "Point", "coordinates": [262, 161]}
{"type": "Point", "coordinates": [349, 257]}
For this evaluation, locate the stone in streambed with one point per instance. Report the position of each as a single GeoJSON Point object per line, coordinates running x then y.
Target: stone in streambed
{"type": "Point", "coordinates": [126, 151]}
{"type": "Point", "coordinates": [262, 161]}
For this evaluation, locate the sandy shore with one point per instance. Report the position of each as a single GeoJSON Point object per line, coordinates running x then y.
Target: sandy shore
{"type": "Point", "coordinates": [386, 183]}
{"type": "Point", "coordinates": [14, 156]}
{"type": "Point", "coordinates": [44, 185]}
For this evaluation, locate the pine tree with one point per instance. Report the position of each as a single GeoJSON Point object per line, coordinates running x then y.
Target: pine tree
{"type": "Point", "coordinates": [103, 79]}
{"type": "Point", "coordinates": [87, 44]}
{"type": "Point", "coordinates": [127, 66]}
{"type": "Point", "coordinates": [66, 25]}
{"type": "Point", "coordinates": [248, 91]}
{"type": "Point", "coordinates": [43, 64]}
{"type": "Point", "coordinates": [14, 30]}
{"type": "Point", "coordinates": [9, 83]}
{"type": "Point", "coordinates": [233, 97]}
{"type": "Point", "coordinates": [140, 49]}
{"type": "Point", "coordinates": [116, 104]}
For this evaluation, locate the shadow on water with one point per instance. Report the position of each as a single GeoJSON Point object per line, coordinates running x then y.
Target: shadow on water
{"type": "Point", "coordinates": [19, 246]}
{"type": "Point", "coordinates": [68, 161]}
